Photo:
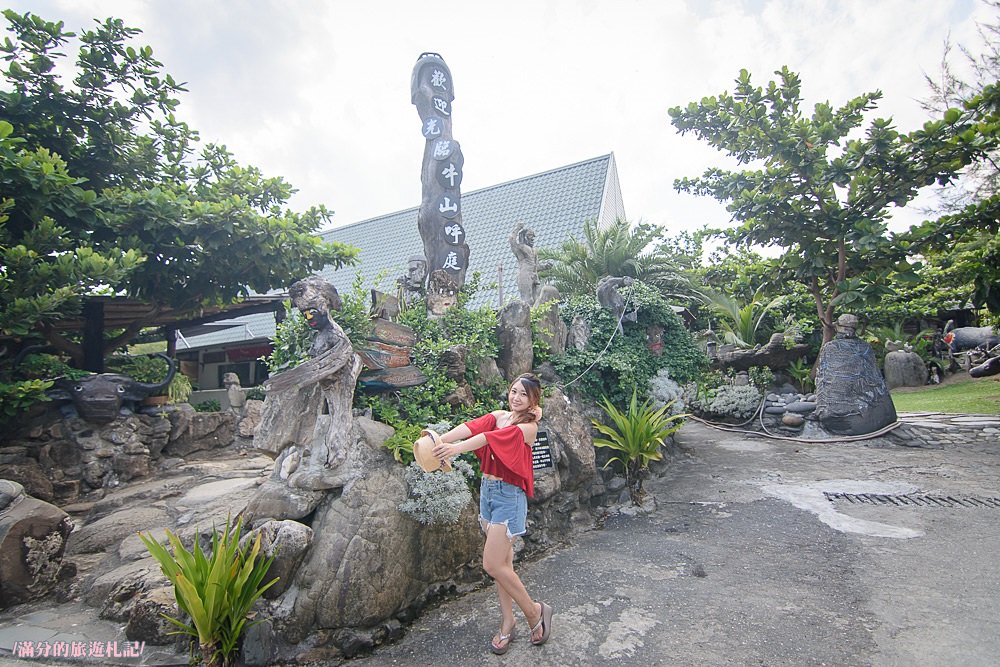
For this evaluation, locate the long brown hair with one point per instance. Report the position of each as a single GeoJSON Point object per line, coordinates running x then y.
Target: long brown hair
{"type": "Point", "coordinates": [533, 388]}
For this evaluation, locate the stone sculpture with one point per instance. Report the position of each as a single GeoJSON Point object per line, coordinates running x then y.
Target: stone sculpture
{"type": "Point", "coordinates": [522, 243]}
{"type": "Point", "coordinates": [99, 398]}
{"type": "Point", "coordinates": [775, 355]}
{"type": "Point", "coordinates": [654, 339]}
{"type": "Point", "coordinates": [904, 368]}
{"type": "Point", "coordinates": [968, 338]}
{"type": "Point", "coordinates": [851, 396]}
{"type": "Point", "coordinates": [514, 339]}
{"type": "Point", "coordinates": [609, 297]}
{"type": "Point", "coordinates": [440, 218]}
{"type": "Point", "coordinates": [413, 284]}
{"type": "Point", "coordinates": [578, 335]}
{"type": "Point", "coordinates": [234, 392]}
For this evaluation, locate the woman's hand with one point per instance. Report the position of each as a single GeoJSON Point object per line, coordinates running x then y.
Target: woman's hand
{"type": "Point", "coordinates": [443, 450]}
{"type": "Point", "coordinates": [537, 411]}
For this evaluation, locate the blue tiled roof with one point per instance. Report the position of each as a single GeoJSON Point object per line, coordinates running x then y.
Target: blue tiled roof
{"type": "Point", "coordinates": [554, 204]}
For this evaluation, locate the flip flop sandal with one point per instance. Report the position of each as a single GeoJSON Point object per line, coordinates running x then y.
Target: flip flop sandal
{"type": "Point", "coordinates": [505, 639]}
{"type": "Point", "coordinates": [545, 623]}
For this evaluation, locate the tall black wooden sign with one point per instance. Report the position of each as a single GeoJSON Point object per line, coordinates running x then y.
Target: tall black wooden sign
{"type": "Point", "coordinates": [440, 218]}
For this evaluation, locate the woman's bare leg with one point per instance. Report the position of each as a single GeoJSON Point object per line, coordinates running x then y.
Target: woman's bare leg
{"type": "Point", "coordinates": [498, 561]}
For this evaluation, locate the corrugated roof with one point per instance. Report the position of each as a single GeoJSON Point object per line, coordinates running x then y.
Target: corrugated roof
{"type": "Point", "coordinates": [554, 204]}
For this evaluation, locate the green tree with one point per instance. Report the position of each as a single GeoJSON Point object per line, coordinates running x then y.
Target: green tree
{"type": "Point", "coordinates": [963, 242]}
{"type": "Point", "coordinates": [103, 188]}
{"type": "Point", "coordinates": [620, 249]}
{"type": "Point", "coordinates": [818, 197]}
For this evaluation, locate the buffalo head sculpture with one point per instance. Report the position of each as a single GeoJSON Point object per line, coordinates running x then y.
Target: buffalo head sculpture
{"type": "Point", "coordinates": [99, 398]}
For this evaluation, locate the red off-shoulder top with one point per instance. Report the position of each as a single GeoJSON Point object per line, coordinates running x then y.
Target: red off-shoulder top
{"type": "Point", "coordinates": [505, 455]}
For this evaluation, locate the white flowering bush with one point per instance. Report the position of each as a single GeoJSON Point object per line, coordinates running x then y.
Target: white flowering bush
{"type": "Point", "coordinates": [740, 402]}
{"type": "Point", "coordinates": [665, 391]}
{"type": "Point", "coordinates": [438, 497]}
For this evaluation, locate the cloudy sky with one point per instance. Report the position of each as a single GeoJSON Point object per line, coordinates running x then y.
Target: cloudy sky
{"type": "Point", "coordinates": [318, 91]}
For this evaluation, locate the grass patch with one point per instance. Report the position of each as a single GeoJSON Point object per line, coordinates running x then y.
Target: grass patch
{"type": "Point", "coordinates": [960, 394]}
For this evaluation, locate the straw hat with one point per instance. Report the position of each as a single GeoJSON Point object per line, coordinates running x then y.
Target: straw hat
{"type": "Point", "coordinates": [424, 454]}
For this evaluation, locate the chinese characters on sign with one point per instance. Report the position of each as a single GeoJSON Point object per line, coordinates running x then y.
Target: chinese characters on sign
{"type": "Point", "coordinates": [440, 217]}
{"type": "Point", "coordinates": [541, 452]}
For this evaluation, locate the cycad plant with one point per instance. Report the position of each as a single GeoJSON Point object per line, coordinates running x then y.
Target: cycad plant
{"type": "Point", "coordinates": [216, 591]}
{"type": "Point", "coordinates": [619, 249]}
{"type": "Point", "coordinates": [637, 435]}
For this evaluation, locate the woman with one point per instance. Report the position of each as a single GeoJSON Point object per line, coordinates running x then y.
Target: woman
{"type": "Point", "coordinates": [502, 441]}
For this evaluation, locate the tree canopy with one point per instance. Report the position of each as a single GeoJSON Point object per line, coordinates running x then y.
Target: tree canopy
{"type": "Point", "coordinates": [105, 190]}
{"type": "Point", "coordinates": [809, 189]}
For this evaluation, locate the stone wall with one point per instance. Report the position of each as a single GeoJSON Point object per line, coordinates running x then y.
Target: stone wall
{"type": "Point", "coordinates": [61, 458]}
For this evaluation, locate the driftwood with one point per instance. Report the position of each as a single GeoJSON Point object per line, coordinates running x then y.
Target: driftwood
{"type": "Point", "coordinates": [313, 371]}
{"type": "Point", "coordinates": [774, 355]}
{"type": "Point", "coordinates": [387, 379]}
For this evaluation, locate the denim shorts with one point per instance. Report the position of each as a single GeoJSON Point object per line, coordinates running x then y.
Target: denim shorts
{"type": "Point", "coordinates": [503, 503]}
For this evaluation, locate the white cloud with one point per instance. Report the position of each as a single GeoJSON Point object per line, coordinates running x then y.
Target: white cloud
{"type": "Point", "coordinates": [318, 92]}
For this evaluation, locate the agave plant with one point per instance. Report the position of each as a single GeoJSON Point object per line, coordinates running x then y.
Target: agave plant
{"type": "Point", "coordinates": [637, 435]}
{"type": "Point", "coordinates": [215, 591]}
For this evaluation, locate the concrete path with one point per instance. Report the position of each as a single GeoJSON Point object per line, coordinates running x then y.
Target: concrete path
{"type": "Point", "coordinates": [759, 552]}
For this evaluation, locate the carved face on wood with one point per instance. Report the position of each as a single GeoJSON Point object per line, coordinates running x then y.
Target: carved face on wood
{"type": "Point", "coordinates": [315, 318]}
{"type": "Point", "coordinates": [654, 339]}
{"type": "Point", "coordinates": [416, 272]}
{"type": "Point", "coordinates": [442, 293]}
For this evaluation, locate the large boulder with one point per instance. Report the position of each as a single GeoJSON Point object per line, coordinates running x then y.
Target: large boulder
{"type": "Point", "coordinates": [904, 369]}
{"type": "Point", "coordinates": [286, 542]}
{"type": "Point", "coordinates": [199, 431]}
{"type": "Point", "coordinates": [514, 339]}
{"type": "Point", "coordinates": [32, 541]}
{"type": "Point", "coordinates": [370, 561]}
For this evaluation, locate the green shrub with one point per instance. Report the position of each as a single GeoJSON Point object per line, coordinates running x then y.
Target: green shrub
{"type": "Point", "coordinates": [180, 388]}
{"type": "Point", "coordinates": [211, 405]}
{"type": "Point", "coordinates": [290, 345]}
{"type": "Point", "coordinates": [802, 373]}
{"type": "Point", "coordinates": [216, 591]}
{"type": "Point", "coordinates": [47, 367]}
{"type": "Point", "coordinates": [142, 368]}
{"type": "Point", "coordinates": [418, 406]}
{"type": "Point", "coordinates": [540, 347]}
{"type": "Point", "coordinates": [256, 393]}
{"type": "Point", "coordinates": [637, 434]}
{"type": "Point", "coordinates": [18, 396]}
{"type": "Point", "coordinates": [603, 370]}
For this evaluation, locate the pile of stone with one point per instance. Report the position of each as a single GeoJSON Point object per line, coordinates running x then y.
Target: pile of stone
{"type": "Point", "coordinates": [789, 408]}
